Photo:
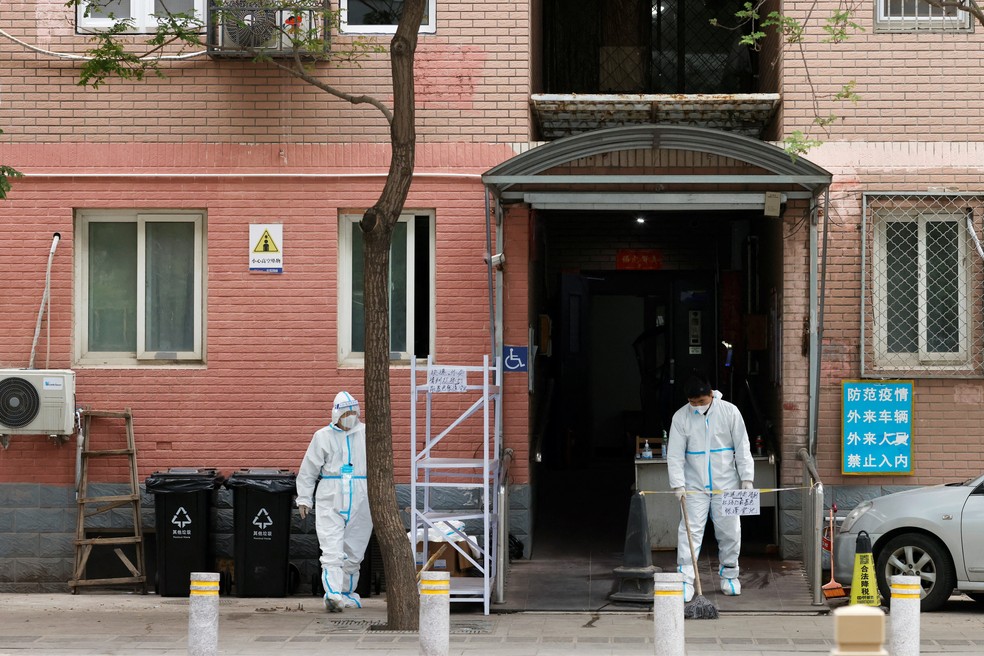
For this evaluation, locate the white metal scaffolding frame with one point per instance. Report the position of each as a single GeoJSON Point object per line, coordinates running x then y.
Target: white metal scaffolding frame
{"type": "Point", "coordinates": [431, 469]}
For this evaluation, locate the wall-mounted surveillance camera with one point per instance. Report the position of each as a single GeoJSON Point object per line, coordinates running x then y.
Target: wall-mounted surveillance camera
{"type": "Point", "coordinates": [498, 261]}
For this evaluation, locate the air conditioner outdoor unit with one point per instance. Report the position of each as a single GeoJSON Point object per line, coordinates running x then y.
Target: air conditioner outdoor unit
{"type": "Point", "coordinates": [37, 402]}
{"type": "Point", "coordinates": [248, 28]}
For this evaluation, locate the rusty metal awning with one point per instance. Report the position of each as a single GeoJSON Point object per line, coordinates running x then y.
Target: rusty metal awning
{"type": "Point", "coordinates": [561, 115]}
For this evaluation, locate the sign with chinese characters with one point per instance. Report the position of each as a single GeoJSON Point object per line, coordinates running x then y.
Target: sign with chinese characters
{"type": "Point", "coordinates": [741, 502]}
{"type": "Point", "coordinates": [877, 426]}
{"type": "Point", "coordinates": [638, 259]}
{"type": "Point", "coordinates": [266, 247]}
{"type": "Point", "coordinates": [447, 379]}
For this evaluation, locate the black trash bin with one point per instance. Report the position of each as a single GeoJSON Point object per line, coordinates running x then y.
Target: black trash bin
{"type": "Point", "coordinates": [182, 503]}
{"type": "Point", "coordinates": [262, 501]}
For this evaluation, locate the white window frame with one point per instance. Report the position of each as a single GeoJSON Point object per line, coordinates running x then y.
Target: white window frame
{"type": "Point", "coordinates": [346, 224]}
{"type": "Point", "coordinates": [885, 22]}
{"type": "Point", "coordinates": [923, 358]}
{"type": "Point", "coordinates": [142, 355]}
{"type": "Point", "coordinates": [427, 27]}
{"type": "Point", "coordinates": [142, 15]}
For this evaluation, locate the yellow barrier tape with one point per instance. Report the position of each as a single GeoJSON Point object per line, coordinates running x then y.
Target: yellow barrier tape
{"type": "Point", "coordinates": [760, 489]}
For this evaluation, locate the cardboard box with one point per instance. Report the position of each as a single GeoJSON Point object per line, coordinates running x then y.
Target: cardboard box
{"type": "Point", "coordinates": [451, 560]}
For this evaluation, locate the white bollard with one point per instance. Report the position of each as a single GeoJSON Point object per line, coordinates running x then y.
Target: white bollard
{"type": "Point", "coordinates": [203, 614]}
{"type": "Point", "coordinates": [435, 613]}
{"type": "Point", "coordinates": [904, 616]}
{"type": "Point", "coordinates": [668, 614]}
{"type": "Point", "coordinates": [859, 631]}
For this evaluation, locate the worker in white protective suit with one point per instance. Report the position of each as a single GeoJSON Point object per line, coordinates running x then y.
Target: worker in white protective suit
{"type": "Point", "coordinates": [708, 452]}
{"type": "Point", "coordinates": [335, 464]}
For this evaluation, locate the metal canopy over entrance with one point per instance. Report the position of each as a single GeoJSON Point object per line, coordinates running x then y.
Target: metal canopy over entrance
{"type": "Point", "coordinates": [511, 181]}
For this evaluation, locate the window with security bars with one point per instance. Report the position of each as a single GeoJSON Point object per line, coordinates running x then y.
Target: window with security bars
{"type": "Point", "coordinates": [923, 263]}
{"type": "Point", "coordinates": [908, 15]}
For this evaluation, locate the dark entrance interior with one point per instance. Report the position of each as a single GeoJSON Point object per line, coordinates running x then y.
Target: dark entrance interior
{"type": "Point", "coordinates": [628, 306]}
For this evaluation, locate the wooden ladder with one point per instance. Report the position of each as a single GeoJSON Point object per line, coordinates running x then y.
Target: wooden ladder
{"type": "Point", "coordinates": [91, 506]}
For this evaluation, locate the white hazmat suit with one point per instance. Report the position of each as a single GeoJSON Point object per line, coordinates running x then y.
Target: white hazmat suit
{"type": "Point", "coordinates": [709, 451]}
{"type": "Point", "coordinates": [334, 471]}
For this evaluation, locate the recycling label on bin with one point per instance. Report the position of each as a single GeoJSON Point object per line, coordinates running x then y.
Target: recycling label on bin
{"type": "Point", "coordinates": [262, 521]}
{"type": "Point", "coordinates": [181, 519]}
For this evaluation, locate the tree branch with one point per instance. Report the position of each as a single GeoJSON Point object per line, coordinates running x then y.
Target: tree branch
{"type": "Point", "coordinates": [963, 5]}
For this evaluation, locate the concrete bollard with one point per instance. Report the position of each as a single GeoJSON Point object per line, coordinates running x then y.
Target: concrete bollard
{"type": "Point", "coordinates": [668, 614]}
{"type": "Point", "coordinates": [859, 631]}
{"type": "Point", "coordinates": [435, 613]}
{"type": "Point", "coordinates": [203, 614]}
{"type": "Point", "coordinates": [905, 607]}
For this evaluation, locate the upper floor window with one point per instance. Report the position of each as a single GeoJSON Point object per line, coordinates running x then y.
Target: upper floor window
{"type": "Point", "coordinates": [96, 15]}
{"type": "Point", "coordinates": [140, 287]}
{"type": "Point", "coordinates": [921, 310]}
{"type": "Point", "coordinates": [380, 16]}
{"type": "Point", "coordinates": [907, 15]}
{"type": "Point", "coordinates": [411, 275]}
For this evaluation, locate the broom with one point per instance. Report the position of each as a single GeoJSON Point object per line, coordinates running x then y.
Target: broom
{"type": "Point", "coordinates": [699, 607]}
{"type": "Point", "coordinates": [833, 589]}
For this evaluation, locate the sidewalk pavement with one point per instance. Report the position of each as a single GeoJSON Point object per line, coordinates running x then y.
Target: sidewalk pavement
{"type": "Point", "coordinates": [147, 625]}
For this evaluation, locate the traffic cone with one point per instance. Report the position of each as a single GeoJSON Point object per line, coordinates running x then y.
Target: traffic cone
{"type": "Point", "coordinates": [864, 585]}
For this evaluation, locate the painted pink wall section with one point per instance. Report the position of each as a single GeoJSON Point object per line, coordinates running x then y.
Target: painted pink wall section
{"type": "Point", "coordinates": [272, 365]}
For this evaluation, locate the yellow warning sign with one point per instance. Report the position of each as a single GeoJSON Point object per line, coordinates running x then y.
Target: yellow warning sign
{"type": "Point", "coordinates": [864, 588]}
{"type": "Point", "coordinates": [265, 244]}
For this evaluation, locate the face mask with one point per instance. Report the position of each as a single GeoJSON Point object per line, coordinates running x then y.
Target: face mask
{"type": "Point", "coordinates": [347, 422]}
{"type": "Point", "coordinates": [700, 409]}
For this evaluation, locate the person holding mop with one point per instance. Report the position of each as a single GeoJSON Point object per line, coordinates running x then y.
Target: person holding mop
{"type": "Point", "coordinates": [708, 452]}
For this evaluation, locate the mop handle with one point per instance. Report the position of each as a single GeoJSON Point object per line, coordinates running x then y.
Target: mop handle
{"type": "Point", "coordinates": [690, 539]}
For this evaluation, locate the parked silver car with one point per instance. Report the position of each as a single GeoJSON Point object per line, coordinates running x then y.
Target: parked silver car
{"type": "Point", "coordinates": [935, 533]}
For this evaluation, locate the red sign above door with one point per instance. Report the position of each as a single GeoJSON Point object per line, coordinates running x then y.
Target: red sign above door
{"type": "Point", "coordinates": [638, 259]}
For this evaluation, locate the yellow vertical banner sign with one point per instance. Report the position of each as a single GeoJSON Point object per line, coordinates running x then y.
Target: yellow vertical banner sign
{"type": "Point", "coordinates": [864, 584]}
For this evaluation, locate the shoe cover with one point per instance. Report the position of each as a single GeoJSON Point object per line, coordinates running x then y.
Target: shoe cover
{"type": "Point", "coordinates": [351, 600]}
{"type": "Point", "coordinates": [730, 587]}
{"type": "Point", "coordinates": [334, 603]}
{"type": "Point", "coordinates": [688, 592]}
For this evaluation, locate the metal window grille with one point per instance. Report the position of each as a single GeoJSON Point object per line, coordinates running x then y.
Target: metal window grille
{"type": "Point", "coordinates": [923, 269]}
{"type": "Point", "coordinates": [901, 15]}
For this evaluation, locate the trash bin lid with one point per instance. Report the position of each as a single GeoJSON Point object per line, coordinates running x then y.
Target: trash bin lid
{"type": "Point", "coordinates": [183, 479]}
{"type": "Point", "coordinates": [269, 479]}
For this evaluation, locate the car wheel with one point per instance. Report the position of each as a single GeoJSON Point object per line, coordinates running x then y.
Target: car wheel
{"type": "Point", "coordinates": [914, 554]}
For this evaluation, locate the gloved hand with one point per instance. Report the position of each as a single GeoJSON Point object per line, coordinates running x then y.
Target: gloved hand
{"type": "Point", "coordinates": [679, 492]}
{"type": "Point", "coordinates": [747, 485]}
{"type": "Point", "coordinates": [303, 511]}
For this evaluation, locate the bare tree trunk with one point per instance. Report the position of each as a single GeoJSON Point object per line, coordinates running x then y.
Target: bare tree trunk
{"type": "Point", "coordinates": [402, 608]}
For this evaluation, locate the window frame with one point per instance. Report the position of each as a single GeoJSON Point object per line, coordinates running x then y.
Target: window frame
{"type": "Point", "coordinates": [141, 356]}
{"type": "Point", "coordinates": [142, 13]}
{"type": "Point", "coordinates": [347, 222]}
{"type": "Point", "coordinates": [427, 27]}
{"type": "Point", "coordinates": [960, 22]}
{"type": "Point", "coordinates": [922, 358]}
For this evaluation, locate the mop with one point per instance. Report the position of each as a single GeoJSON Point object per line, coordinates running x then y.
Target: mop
{"type": "Point", "coordinates": [833, 589]}
{"type": "Point", "coordinates": [699, 607]}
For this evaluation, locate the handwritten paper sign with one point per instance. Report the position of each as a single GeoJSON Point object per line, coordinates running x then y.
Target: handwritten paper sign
{"type": "Point", "coordinates": [447, 379]}
{"type": "Point", "coordinates": [740, 502]}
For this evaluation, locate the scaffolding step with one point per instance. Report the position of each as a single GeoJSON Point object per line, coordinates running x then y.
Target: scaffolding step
{"type": "Point", "coordinates": [109, 452]}
{"type": "Point", "coordinates": [450, 516]}
{"type": "Point", "coordinates": [120, 580]}
{"type": "Point", "coordinates": [129, 539]}
{"type": "Point", "coordinates": [456, 463]}
{"type": "Point", "coordinates": [112, 499]}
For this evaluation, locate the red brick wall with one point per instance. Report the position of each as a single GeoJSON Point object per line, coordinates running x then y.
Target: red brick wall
{"type": "Point", "coordinates": [272, 367]}
{"type": "Point", "coordinates": [472, 75]}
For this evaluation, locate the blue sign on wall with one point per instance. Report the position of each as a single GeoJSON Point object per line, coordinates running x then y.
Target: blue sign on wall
{"type": "Point", "coordinates": [515, 358]}
{"type": "Point", "coordinates": [877, 426]}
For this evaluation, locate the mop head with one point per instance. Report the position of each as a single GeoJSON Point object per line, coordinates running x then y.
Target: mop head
{"type": "Point", "coordinates": [700, 608]}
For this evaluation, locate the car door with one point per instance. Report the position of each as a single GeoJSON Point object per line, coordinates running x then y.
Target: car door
{"type": "Point", "coordinates": [972, 534]}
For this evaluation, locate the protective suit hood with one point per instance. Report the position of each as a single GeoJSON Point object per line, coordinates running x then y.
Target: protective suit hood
{"type": "Point", "coordinates": [344, 402]}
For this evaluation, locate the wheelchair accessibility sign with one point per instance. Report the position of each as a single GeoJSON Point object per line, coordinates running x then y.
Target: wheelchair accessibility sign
{"type": "Point", "coordinates": [515, 358]}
